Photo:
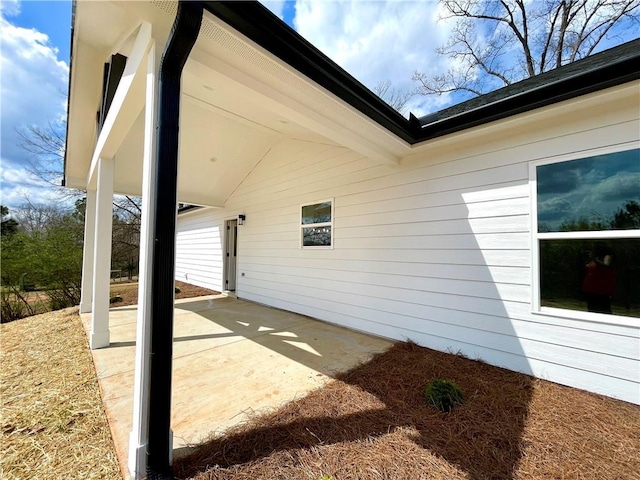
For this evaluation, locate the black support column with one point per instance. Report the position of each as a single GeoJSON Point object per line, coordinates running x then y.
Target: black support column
{"type": "Point", "coordinates": [181, 40]}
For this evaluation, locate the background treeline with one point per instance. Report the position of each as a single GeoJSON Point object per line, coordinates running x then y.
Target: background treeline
{"type": "Point", "coordinates": [42, 248]}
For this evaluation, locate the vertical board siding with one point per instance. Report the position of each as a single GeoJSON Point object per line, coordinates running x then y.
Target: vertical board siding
{"type": "Point", "coordinates": [436, 250]}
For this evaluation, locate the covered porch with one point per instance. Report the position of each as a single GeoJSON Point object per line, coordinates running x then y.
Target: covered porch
{"type": "Point", "coordinates": [234, 104]}
{"type": "Point", "coordinates": [231, 358]}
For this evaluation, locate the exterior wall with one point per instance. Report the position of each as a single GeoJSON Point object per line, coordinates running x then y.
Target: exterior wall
{"type": "Point", "coordinates": [198, 249]}
{"type": "Point", "coordinates": [436, 250]}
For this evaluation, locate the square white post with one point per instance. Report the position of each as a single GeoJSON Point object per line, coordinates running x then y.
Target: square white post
{"type": "Point", "coordinates": [102, 255]}
{"type": "Point", "coordinates": [87, 253]}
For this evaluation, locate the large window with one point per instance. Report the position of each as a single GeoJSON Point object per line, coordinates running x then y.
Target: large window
{"type": "Point", "coordinates": [316, 224]}
{"type": "Point", "coordinates": [587, 235]}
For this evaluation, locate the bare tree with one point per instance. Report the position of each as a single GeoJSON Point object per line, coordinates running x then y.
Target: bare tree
{"type": "Point", "coordinates": [394, 97]}
{"type": "Point", "coordinates": [497, 42]}
{"type": "Point", "coordinates": [34, 219]}
{"type": "Point", "coordinates": [47, 146]}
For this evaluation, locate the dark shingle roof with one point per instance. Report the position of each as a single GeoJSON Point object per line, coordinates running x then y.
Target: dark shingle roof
{"type": "Point", "coordinates": [562, 75]}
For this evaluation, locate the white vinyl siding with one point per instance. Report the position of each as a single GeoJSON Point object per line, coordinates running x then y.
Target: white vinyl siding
{"type": "Point", "coordinates": [436, 250]}
{"type": "Point", "coordinates": [198, 249]}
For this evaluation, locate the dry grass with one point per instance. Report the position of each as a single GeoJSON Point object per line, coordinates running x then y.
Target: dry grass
{"type": "Point", "coordinates": [369, 423]}
{"type": "Point", "coordinates": [373, 423]}
{"type": "Point", "coordinates": [53, 422]}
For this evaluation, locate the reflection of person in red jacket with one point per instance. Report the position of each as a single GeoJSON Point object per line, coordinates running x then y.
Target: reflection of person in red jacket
{"type": "Point", "coordinates": [600, 280]}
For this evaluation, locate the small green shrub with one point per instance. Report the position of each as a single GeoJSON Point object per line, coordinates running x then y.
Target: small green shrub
{"type": "Point", "coordinates": [115, 299]}
{"type": "Point", "coordinates": [326, 477]}
{"type": "Point", "coordinates": [443, 394]}
{"type": "Point", "coordinates": [177, 289]}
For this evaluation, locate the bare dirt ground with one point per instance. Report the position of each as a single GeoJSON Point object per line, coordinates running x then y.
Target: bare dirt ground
{"type": "Point", "coordinates": [129, 292]}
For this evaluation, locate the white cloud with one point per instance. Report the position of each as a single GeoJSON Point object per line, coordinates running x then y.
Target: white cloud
{"type": "Point", "coordinates": [33, 86]}
{"type": "Point", "coordinates": [276, 7]}
{"type": "Point", "coordinates": [378, 40]}
{"type": "Point", "coordinates": [18, 184]}
{"type": "Point", "coordinates": [623, 185]}
{"type": "Point", "coordinates": [10, 7]}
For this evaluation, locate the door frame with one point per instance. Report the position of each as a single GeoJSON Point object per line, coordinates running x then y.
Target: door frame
{"type": "Point", "coordinates": [230, 256]}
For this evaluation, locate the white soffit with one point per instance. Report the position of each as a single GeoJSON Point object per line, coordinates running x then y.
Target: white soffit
{"type": "Point", "coordinates": [228, 76]}
{"type": "Point", "coordinates": [274, 85]}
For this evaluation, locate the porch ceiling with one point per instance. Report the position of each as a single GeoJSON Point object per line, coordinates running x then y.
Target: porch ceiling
{"type": "Point", "coordinates": [238, 101]}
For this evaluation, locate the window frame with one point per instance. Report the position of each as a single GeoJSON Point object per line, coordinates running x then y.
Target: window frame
{"type": "Point", "coordinates": [536, 237]}
{"type": "Point", "coordinates": [302, 226]}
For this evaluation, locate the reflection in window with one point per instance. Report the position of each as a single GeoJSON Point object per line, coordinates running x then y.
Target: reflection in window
{"type": "Point", "coordinates": [317, 213]}
{"type": "Point", "coordinates": [595, 193]}
{"type": "Point", "coordinates": [588, 235]}
{"type": "Point", "coordinates": [316, 237]}
{"type": "Point", "coordinates": [601, 276]}
{"type": "Point", "coordinates": [316, 224]}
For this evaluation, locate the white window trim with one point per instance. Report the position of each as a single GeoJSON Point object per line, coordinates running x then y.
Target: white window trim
{"type": "Point", "coordinates": [536, 308]}
{"type": "Point", "coordinates": [322, 224]}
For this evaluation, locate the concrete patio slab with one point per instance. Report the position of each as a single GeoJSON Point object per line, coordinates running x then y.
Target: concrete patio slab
{"type": "Point", "coordinates": [231, 358]}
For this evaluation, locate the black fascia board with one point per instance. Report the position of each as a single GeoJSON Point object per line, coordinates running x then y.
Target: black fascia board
{"type": "Point", "coordinates": [187, 208]}
{"type": "Point", "coordinates": [586, 76]}
{"type": "Point", "coordinates": [66, 133]}
{"type": "Point", "coordinates": [257, 23]}
{"type": "Point", "coordinates": [591, 74]}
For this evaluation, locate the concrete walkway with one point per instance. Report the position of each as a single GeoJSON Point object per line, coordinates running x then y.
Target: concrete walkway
{"type": "Point", "coordinates": [231, 358]}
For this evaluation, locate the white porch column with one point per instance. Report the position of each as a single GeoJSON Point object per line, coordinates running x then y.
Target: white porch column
{"type": "Point", "coordinates": [140, 427]}
{"type": "Point", "coordinates": [102, 255]}
{"type": "Point", "coordinates": [87, 252]}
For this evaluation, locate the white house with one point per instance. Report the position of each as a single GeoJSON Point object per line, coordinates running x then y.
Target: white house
{"type": "Point", "coordinates": [469, 230]}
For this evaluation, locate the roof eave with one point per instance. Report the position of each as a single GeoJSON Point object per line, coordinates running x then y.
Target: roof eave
{"type": "Point", "coordinates": [574, 86]}
{"type": "Point", "coordinates": [257, 23]}
{"type": "Point", "coordinates": [66, 134]}
{"type": "Point", "coordinates": [264, 28]}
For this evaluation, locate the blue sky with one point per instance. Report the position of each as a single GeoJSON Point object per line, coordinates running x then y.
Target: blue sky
{"type": "Point", "coordinates": [381, 40]}
{"type": "Point", "coordinates": [34, 76]}
{"type": "Point", "coordinates": [52, 18]}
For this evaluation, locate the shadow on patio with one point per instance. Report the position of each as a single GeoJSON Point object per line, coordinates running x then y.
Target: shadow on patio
{"type": "Point", "coordinates": [231, 358]}
{"type": "Point", "coordinates": [376, 424]}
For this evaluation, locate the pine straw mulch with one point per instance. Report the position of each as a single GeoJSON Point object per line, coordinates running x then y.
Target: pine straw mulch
{"type": "Point", "coordinates": [129, 292]}
{"type": "Point", "coordinates": [372, 423]}
{"type": "Point", "coordinates": [53, 422]}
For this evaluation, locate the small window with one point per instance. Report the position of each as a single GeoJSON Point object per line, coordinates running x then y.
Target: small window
{"type": "Point", "coordinates": [586, 215]}
{"type": "Point", "coordinates": [316, 224]}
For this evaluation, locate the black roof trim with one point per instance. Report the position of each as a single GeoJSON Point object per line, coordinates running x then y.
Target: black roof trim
{"type": "Point", "coordinates": [603, 70]}
{"type": "Point", "coordinates": [66, 129]}
{"type": "Point", "coordinates": [257, 23]}
{"type": "Point", "coordinates": [184, 208]}
{"type": "Point", "coordinates": [606, 69]}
